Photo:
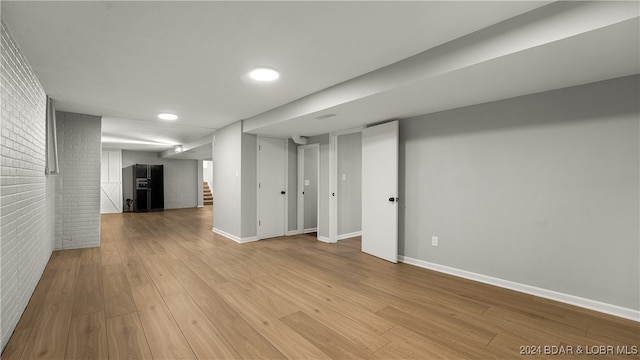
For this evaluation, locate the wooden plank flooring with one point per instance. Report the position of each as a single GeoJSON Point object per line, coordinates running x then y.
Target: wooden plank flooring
{"type": "Point", "coordinates": [163, 286]}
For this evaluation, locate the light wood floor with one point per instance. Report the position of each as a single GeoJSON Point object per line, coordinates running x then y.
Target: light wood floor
{"type": "Point", "coordinates": [163, 286]}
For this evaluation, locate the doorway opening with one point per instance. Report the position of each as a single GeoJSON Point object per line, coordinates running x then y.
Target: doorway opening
{"type": "Point", "coordinates": [349, 185]}
{"type": "Point", "coordinates": [207, 182]}
{"type": "Point", "coordinates": [308, 189]}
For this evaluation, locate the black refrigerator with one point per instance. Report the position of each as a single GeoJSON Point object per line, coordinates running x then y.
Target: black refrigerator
{"type": "Point", "coordinates": [148, 187]}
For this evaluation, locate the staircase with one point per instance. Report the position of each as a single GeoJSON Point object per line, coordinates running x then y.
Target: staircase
{"type": "Point", "coordinates": [208, 196]}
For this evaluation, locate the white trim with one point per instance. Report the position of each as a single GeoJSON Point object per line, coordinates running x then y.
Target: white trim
{"type": "Point", "coordinates": [233, 237]}
{"type": "Point", "coordinates": [349, 235]}
{"type": "Point", "coordinates": [200, 206]}
{"type": "Point", "coordinates": [610, 309]}
{"type": "Point", "coordinates": [324, 239]}
{"type": "Point", "coordinates": [292, 232]}
{"type": "Point", "coordinates": [310, 230]}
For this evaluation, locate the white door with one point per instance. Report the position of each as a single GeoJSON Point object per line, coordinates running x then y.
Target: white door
{"type": "Point", "coordinates": [271, 187]}
{"type": "Point", "coordinates": [111, 182]}
{"type": "Point", "coordinates": [380, 191]}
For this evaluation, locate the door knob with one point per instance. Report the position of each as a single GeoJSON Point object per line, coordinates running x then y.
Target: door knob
{"type": "Point", "coordinates": [392, 199]}
{"type": "Point", "coordinates": [282, 192]}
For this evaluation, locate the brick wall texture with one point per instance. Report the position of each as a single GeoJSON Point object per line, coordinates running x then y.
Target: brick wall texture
{"type": "Point", "coordinates": [27, 204]}
{"type": "Point", "coordinates": [78, 185]}
{"type": "Point", "coordinates": [40, 213]}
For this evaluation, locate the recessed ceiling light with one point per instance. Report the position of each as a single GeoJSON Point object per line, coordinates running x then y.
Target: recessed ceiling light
{"type": "Point", "coordinates": [264, 74]}
{"type": "Point", "coordinates": [167, 116]}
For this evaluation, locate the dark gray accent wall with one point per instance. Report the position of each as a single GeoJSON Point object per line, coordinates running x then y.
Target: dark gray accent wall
{"type": "Point", "coordinates": [541, 190]}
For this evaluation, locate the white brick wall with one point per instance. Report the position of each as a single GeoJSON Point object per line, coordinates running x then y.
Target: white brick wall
{"type": "Point", "coordinates": [78, 185]}
{"type": "Point", "coordinates": [26, 194]}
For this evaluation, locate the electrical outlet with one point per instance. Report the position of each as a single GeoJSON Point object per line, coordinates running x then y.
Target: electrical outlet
{"type": "Point", "coordinates": [434, 240]}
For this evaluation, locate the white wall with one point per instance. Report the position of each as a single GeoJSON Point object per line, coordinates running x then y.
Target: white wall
{"type": "Point", "coordinates": [540, 190]}
{"type": "Point", "coordinates": [78, 185]}
{"type": "Point", "coordinates": [180, 178]}
{"type": "Point", "coordinates": [27, 201]}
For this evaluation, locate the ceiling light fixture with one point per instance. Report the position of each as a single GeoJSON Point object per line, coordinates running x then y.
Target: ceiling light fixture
{"type": "Point", "coordinates": [264, 74]}
{"type": "Point", "coordinates": [167, 116]}
{"type": "Point", "coordinates": [325, 116]}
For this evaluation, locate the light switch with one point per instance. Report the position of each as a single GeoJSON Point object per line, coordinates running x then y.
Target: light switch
{"type": "Point", "coordinates": [306, 182]}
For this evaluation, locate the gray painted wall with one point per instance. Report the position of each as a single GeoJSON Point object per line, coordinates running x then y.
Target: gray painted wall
{"type": "Point", "coordinates": [227, 153]}
{"type": "Point", "coordinates": [323, 140]}
{"type": "Point", "coordinates": [292, 184]}
{"type": "Point", "coordinates": [200, 180]}
{"type": "Point", "coordinates": [234, 182]}
{"type": "Point", "coordinates": [249, 176]}
{"type": "Point", "coordinates": [180, 178]}
{"type": "Point", "coordinates": [349, 183]}
{"type": "Point", "coordinates": [311, 158]}
{"type": "Point", "coordinates": [541, 190]}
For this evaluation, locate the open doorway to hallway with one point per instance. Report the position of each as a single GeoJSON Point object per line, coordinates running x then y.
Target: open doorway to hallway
{"type": "Point", "coordinates": [308, 189]}
{"type": "Point", "coordinates": [207, 181]}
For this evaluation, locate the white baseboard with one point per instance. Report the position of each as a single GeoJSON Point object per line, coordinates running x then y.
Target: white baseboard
{"type": "Point", "coordinates": [324, 239]}
{"type": "Point", "coordinates": [233, 237]}
{"type": "Point", "coordinates": [610, 309]}
{"type": "Point", "coordinates": [292, 232]}
{"type": "Point", "coordinates": [200, 206]}
{"type": "Point", "coordinates": [349, 235]}
{"type": "Point", "coordinates": [315, 229]}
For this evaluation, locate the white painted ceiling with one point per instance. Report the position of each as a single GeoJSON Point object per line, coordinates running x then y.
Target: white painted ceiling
{"type": "Point", "coordinates": [364, 61]}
